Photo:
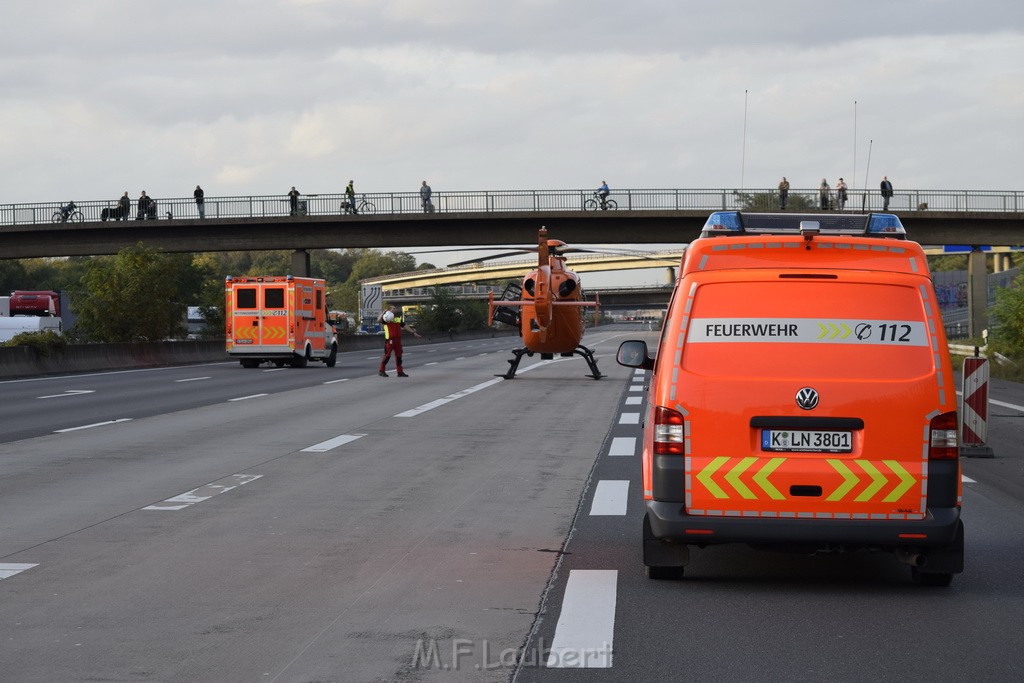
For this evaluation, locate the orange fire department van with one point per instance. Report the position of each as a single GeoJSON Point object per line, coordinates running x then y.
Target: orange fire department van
{"type": "Point", "coordinates": [281, 319]}
{"type": "Point", "coordinates": [802, 397]}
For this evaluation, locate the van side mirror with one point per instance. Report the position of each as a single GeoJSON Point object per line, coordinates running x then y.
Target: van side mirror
{"type": "Point", "coordinates": [633, 354]}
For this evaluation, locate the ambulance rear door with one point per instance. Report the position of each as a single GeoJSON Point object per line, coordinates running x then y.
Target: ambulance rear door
{"type": "Point", "coordinates": [260, 316]}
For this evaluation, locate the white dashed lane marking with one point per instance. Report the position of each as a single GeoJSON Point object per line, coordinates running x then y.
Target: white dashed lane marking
{"type": "Point", "coordinates": [246, 398]}
{"type": "Point", "coordinates": [623, 445]}
{"type": "Point", "coordinates": [610, 497]}
{"type": "Point", "coordinates": [634, 400]}
{"type": "Point", "coordinates": [70, 392]}
{"type": "Point", "coordinates": [636, 387]}
{"type": "Point", "coordinates": [447, 399]}
{"type": "Point", "coordinates": [586, 625]}
{"type": "Point", "coordinates": [629, 419]}
{"type": "Point", "coordinates": [94, 424]}
{"type": "Point", "coordinates": [335, 381]}
{"type": "Point", "coordinates": [330, 444]}
{"type": "Point", "coordinates": [967, 480]}
{"type": "Point", "coordinates": [204, 492]}
{"type": "Point", "coordinates": [9, 569]}
{"type": "Point", "coordinates": [192, 379]}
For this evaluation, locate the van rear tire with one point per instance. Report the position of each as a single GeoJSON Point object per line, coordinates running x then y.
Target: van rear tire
{"type": "Point", "coordinates": [332, 359]}
{"type": "Point", "coordinates": [665, 573]}
{"type": "Point", "coordinates": [249, 363]}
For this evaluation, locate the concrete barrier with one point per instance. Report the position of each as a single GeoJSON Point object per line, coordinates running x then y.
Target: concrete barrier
{"type": "Point", "coordinates": [24, 361]}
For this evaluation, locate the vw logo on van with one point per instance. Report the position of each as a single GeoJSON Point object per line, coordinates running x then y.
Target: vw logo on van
{"type": "Point", "coordinates": [807, 398]}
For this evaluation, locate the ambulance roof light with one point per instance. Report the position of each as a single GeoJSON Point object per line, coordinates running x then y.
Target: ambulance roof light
{"type": "Point", "coordinates": [885, 224]}
{"type": "Point", "coordinates": [723, 222]}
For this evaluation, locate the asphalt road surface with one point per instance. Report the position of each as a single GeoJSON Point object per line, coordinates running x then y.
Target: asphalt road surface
{"type": "Point", "coordinates": [324, 524]}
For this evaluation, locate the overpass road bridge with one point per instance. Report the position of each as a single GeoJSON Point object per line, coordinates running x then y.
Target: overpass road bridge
{"type": "Point", "coordinates": [974, 218]}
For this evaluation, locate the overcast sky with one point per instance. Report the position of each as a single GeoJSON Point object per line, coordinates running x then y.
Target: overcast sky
{"type": "Point", "coordinates": [102, 96]}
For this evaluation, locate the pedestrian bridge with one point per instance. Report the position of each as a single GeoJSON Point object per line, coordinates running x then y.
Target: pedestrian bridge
{"type": "Point", "coordinates": [486, 217]}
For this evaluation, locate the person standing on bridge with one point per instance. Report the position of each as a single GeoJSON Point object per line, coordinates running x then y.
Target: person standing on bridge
{"type": "Point", "coordinates": [841, 194]}
{"type": "Point", "coordinates": [886, 188]}
{"type": "Point", "coordinates": [126, 206]}
{"type": "Point", "coordinates": [825, 195]}
{"type": "Point", "coordinates": [783, 193]}
{"type": "Point", "coordinates": [293, 198]}
{"type": "Point", "coordinates": [350, 196]}
{"type": "Point", "coordinates": [393, 324]}
{"type": "Point", "coordinates": [200, 204]}
{"type": "Point", "coordinates": [428, 206]}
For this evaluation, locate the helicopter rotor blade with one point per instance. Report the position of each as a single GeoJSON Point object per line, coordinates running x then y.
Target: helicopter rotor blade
{"type": "Point", "coordinates": [481, 259]}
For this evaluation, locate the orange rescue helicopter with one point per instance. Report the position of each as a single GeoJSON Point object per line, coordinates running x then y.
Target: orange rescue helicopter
{"type": "Point", "coordinates": [547, 308]}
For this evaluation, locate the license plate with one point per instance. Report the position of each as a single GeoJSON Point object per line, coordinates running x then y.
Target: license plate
{"type": "Point", "coordinates": [806, 441]}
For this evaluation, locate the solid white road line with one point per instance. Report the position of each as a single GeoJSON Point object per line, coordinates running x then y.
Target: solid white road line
{"type": "Point", "coordinates": [623, 445]}
{"type": "Point", "coordinates": [335, 381]}
{"type": "Point", "coordinates": [9, 569]}
{"type": "Point", "coordinates": [433, 362]}
{"type": "Point", "coordinates": [610, 497]}
{"type": "Point", "coordinates": [325, 446]}
{"type": "Point", "coordinates": [192, 379]}
{"type": "Point", "coordinates": [629, 419]}
{"type": "Point", "coordinates": [95, 424]}
{"type": "Point", "coordinates": [634, 400]}
{"type": "Point", "coordinates": [246, 398]}
{"type": "Point", "coordinates": [586, 626]}
{"type": "Point", "coordinates": [1003, 404]}
{"type": "Point", "coordinates": [204, 492]}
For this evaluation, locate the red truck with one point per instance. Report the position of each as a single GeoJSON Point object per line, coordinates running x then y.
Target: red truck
{"type": "Point", "coordinates": [41, 303]}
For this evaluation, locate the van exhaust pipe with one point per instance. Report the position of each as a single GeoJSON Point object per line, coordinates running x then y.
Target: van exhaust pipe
{"type": "Point", "coordinates": [911, 557]}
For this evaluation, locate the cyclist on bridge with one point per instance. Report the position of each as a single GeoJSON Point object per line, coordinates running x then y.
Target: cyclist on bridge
{"type": "Point", "coordinates": [603, 191]}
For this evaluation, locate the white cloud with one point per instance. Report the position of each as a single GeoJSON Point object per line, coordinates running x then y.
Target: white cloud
{"type": "Point", "coordinates": [253, 97]}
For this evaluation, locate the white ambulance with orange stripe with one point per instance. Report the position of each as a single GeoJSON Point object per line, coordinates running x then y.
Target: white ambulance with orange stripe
{"type": "Point", "coordinates": [802, 397]}
{"type": "Point", "coordinates": [278, 319]}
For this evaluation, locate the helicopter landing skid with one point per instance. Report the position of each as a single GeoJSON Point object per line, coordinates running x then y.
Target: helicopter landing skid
{"type": "Point", "coordinates": [581, 350]}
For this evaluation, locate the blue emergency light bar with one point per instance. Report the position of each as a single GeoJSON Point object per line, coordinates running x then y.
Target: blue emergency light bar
{"type": "Point", "coordinates": [723, 223]}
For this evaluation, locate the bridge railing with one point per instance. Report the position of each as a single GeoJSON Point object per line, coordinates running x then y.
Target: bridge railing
{"type": "Point", "coordinates": [488, 201]}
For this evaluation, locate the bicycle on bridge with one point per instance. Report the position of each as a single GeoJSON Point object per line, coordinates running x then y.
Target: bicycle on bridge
{"type": "Point", "coordinates": [362, 206]}
{"type": "Point", "coordinates": [600, 202]}
{"type": "Point", "coordinates": [67, 213]}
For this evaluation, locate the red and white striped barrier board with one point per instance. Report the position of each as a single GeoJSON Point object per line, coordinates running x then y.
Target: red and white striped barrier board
{"type": "Point", "coordinates": [974, 415]}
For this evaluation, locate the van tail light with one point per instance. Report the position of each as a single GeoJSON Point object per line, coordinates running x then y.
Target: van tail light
{"type": "Point", "coordinates": [944, 443]}
{"type": "Point", "coordinates": [668, 432]}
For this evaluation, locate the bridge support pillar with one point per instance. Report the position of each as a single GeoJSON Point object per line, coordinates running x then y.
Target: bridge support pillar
{"type": "Point", "coordinates": [977, 292]}
{"type": "Point", "coordinates": [671, 273]}
{"type": "Point", "coordinates": [300, 263]}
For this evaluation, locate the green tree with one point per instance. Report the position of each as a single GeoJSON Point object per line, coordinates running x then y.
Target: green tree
{"type": "Point", "coordinates": [12, 276]}
{"type": "Point", "coordinates": [140, 294]}
{"type": "Point", "coordinates": [442, 313]}
{"type": "Point", "coordinates": [1008, 333]}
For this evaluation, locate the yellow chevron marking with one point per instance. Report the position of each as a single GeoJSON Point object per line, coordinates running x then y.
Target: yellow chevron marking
{"type": "Point", "coordinates": [705, 477]}
{"type": "Point", "coordinates": [907, 480]}
{"type": "Point", "coordinates": [734, 478]}
{"type": "Point", "coordinates": [761, 478]}
{"type": "Point", "coordinates": [849, 481]}
{"type": "Point", "coordinates": [878, 481]}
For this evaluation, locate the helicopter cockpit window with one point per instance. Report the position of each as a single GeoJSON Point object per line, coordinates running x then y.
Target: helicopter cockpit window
{"type": "Point", "coordinates": [529, 285]}
{"type": "Point", "coordinates": [566, 288]}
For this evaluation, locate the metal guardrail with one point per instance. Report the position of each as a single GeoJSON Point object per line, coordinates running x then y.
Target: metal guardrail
{"type": "Point", "coordinates": [487, 201]}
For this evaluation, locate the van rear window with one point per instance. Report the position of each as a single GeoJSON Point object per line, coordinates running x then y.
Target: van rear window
{"type": "Point", "coordinates": [273, 297]}
{"type": "Point", "coordinates": [245, 297]}
{"type": "Point", "coordinates": [781, 328]}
